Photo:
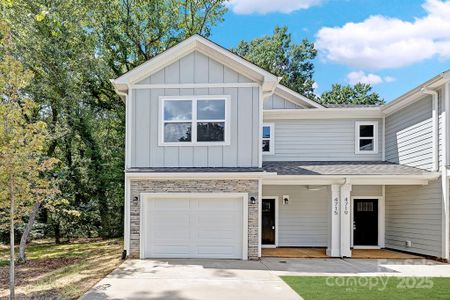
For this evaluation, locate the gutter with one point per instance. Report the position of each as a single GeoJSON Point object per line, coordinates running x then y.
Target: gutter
{"type": "Point", "coordinates": [435, 127]}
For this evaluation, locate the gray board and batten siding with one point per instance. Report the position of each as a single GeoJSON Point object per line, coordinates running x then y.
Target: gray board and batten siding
{"type": "Point", "coordinates": [243, 150]}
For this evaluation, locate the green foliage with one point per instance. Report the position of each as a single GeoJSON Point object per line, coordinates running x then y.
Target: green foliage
{"type": "Point", "coordinates": [72, 49]}
{"type": "Point", "coordinates": [280, 56]}
{"type": "Point", "coordinates": [360, 94]}
{"type": "Point", "coordinates": [374, 287]}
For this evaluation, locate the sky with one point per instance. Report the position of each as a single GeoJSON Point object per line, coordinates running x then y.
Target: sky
{"type": "Point", "coordinates": [394, 45]}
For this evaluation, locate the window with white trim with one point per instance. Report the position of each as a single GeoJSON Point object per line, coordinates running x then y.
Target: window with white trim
{"type": "Point", "coordinates": [366, 137]}
{"type": "Point", "coordinates": [193, 120]}
{"type": "Point", "coordinates": [268, 138]}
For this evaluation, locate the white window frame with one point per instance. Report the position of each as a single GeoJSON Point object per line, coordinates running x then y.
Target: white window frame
{"type": "Point", "coordinates": [358, 124]}
{"type": "Point", "coordinates": [194, 120]}
{"type": "Point", "coordinates": [271, 139]}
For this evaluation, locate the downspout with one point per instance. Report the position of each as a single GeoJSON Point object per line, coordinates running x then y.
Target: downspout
{"type": "Point", "coordinates": [435, 128]}
{"type": "Point", "coordinates": [444, 165]}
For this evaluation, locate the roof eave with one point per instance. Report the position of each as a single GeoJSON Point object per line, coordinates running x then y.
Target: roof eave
{"type": "Point", "coordinates": [416, 93]}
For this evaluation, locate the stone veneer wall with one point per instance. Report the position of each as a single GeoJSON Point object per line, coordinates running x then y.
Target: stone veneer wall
{"type": "Point", "coordinates": [193, 186]}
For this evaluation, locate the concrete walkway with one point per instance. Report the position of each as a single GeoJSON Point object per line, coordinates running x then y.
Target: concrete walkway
{"type": "Point", "coordinates": [194, 279]}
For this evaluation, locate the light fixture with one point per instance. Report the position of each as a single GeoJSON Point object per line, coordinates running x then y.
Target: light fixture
{"type": "Point", "coordinates": [135, 198]}
{"type": "Point", "coordinates": [314, 187]}
{"type": "Point", "coordinates": [285, 199]}
{"type": "Point", "coordinates": [252, 200]}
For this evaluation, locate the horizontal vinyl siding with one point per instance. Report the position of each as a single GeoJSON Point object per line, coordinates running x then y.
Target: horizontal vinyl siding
{"type": "Point", "coordinates": [409, 135]}
{"type": "Point", "coordinates": [319, 140]}
{"type": "Point", "coordinates": [304, 221]}
{"type": "Point", "coordinates": [243, 150]}
{"type": "Point", "coordinates": [367, 190]}
{"type": "Point", "coordinates": [413, 213]}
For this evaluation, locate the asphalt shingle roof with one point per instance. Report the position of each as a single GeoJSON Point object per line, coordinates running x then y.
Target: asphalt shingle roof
{"type": "Point", "coordinates": [193, 170]}
{"type": "Point", "coordinates": [304, 168]}
{"type": "Point", "coordinates": [340, 168]}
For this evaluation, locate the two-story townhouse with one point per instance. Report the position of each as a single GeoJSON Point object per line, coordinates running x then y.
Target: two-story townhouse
{"type": "Point", "coordinates": [222, 161]}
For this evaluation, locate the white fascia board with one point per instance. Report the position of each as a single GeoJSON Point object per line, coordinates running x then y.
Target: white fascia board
{"type": "Point", "coordinates": [350, 179]}
{"type": "Point", "coordinates": [295, 97]}
{"type": "Point", "coordinates": [203, 45]}
{"type": "Point", "coordinates": [197, 175]}
{"type": "Point", "coordinates": [324, 113]}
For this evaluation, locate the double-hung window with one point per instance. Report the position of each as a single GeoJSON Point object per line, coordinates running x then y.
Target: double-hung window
{"type": "Point", "coordinates": [267, 138]}
{"type": "Point", "coordinates": [366, 137]}
{"type": "Point", "coordinates": [194, 120]}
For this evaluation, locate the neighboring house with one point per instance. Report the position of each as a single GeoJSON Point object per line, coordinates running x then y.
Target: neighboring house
{"type": "Point", "coordinates": [222, 160]}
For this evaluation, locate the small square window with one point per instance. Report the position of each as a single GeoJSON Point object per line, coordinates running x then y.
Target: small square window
{"type": "Point", "coordinates": [268, 139]}
{"type": "Point", "coordinates": [366, 137]}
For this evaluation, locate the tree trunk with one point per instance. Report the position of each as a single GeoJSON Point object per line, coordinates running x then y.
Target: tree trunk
{"type": "Point", "coordinates": [11, 240]}
{"type": "Point", "coordinates": [23, 241]}
{"type": "Point", "coordinates": [57, 234]}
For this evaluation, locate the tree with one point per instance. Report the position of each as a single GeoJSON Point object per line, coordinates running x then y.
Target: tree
{"type": "Point", "coordinates": [360, 94]}
{"type": "Point", "coordinates": [73, 50]}
{"type": "Point", "coordinates": [21, 149]}
{"type": "Point", "coordinates": [280, 56]}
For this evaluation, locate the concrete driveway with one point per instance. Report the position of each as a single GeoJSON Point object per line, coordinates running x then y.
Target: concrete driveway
{"type": "Point", "coordinates": [198, 279]}
{"type": "Point", "coordinates": [191, 279]}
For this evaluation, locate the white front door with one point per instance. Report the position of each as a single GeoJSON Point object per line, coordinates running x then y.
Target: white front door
{"type": "Point", "coordinates": [188, 226]}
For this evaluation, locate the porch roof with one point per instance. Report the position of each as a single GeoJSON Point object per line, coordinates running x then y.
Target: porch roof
{"type": "Point", "coordinates": [340, 168]}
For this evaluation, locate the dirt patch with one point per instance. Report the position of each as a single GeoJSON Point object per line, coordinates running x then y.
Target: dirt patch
{"type": "Point", "coordinates": [34, 268]}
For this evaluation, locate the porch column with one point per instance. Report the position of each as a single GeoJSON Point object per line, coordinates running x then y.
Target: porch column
{"type": "Point", "coordinates": [346, 225]}
{"type": "Point", "coordinates": [333, 249]}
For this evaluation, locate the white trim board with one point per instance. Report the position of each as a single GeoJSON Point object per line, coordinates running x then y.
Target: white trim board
{"type": "Point", "coordinates": [194, 85]}
{"type": "Point", "coordinates": [143, 224]}
{"type": "Point", "coordinates": [323, 113]}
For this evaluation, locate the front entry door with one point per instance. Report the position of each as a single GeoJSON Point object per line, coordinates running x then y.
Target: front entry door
{"type": "Point", "coordinates": [365, 222]}
{"type": "Point", "coordinates": [268, 222]}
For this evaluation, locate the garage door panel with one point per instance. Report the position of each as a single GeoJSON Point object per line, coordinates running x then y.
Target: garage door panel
{"type": "Point", "coordinates": [222, 204]}
{"type": "Point", "coordinates": [223, 251]}
{"type": "Point", "coordinates": [169, 251]}
{"type": "Point", "coordinates": [190, 228]}
{"type": "Point", "coordinates": [218, 220]}
{"type": "Point", "coordinates": [170, 204]}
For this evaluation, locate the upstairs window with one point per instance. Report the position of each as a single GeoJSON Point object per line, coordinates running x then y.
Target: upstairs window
{"type": "Point", "coordinates": [366, 137]}
{"type": "Point", "coordinates": [193, 120]}
{"type": "Point", "coordinates": [267, 138]}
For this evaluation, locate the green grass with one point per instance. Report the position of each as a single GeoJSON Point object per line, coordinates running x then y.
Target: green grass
{"type": "Point", "coordinates": [64, 271]}
{"type": "Point", "coordinates": [379, 288]}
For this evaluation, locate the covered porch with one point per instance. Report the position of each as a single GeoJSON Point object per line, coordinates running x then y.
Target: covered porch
{"type": "Point", "coordinates": [308, 252]}
{"type": "Point", "coordinates": [350, 209]}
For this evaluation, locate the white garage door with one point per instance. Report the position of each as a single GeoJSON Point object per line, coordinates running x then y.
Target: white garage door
{"type": "Point", "coordinates": [203, 226]}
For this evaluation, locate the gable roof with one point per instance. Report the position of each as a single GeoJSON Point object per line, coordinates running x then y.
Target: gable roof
{"type": "Point", "coordinates": [269, 81]}
{"type": "Point", "coordinates": [205, 46]}
{"type": "Point", "coordinates": [416, 93]}
{"type": "Point", "coordinates": [295, 97]}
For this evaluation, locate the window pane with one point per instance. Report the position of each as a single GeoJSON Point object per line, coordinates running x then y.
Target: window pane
{"type": "Point", "coordinates": [211, 110]}
{"type": "Point", "coordinates": [266, 145]}
{"type": "Point", "coordinates": [366, 131]}
{"type": "Point", "coordinates": [210, 132]}
{"type": "Point", "coordinates": [266, 132]}
{"type": "Point", "coordinates": [177, 110]}
{"type": "Point", "coordinates": [366, 145]}
{"type": "Point", "coordinates": [177, 132]}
